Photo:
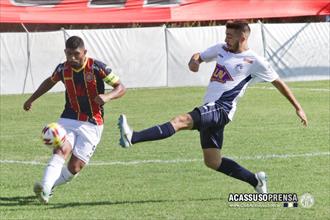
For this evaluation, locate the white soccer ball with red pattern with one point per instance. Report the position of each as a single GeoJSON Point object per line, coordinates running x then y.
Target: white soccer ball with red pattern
{"type": "Point", "coordinates": [53, 135]}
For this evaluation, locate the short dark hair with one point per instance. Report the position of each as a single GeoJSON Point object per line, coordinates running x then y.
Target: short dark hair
{"type": "Point", "coordinates": [74, 42]}
{"type": "Point", "coordinates": [240, 25]}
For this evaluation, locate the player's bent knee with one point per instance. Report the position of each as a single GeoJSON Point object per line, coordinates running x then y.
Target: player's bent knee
{"type": "Point", "coordinates": [75, 168]}
{"type": "Point", "coordinates": [182, 122]}
{"type": "Point", "coordinates": [212, 164]}
{"type": "Point", "coordinates": [64, 151]}
{"type": "Point", "coordinates": [75, 165]}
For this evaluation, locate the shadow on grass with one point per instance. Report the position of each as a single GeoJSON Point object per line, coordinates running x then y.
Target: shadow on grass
{"type": "Point", "coordinates": [32, 201]}
{"type": "Point", "coordinates": [18, 200]}
{"type": "Point", "coordinates": [78, 204]}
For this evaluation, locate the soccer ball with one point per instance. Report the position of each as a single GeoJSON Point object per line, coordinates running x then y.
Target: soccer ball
{"type": "Point", "coordinates": [53, 135]}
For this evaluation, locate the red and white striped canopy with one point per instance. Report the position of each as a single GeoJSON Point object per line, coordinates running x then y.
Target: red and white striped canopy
{"type": "Point", "coordinates": [140, 11]}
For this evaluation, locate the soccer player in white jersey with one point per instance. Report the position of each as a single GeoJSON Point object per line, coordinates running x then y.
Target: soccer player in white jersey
{"type": "Point", "coordinates": [236, 67]}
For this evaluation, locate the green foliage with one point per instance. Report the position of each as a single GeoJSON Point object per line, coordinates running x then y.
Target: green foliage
{"type": "Point", "coordinates": [265, 124]}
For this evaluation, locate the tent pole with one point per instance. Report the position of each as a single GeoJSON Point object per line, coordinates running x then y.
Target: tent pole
{"type": "Point", "coordinates": [264, 44]}
{"type": "Point", "coordinates": [65, 34]}
{"type": "Point", "coordinates": [28, 60]}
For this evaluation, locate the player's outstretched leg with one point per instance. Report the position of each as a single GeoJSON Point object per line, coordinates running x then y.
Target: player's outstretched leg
{"type": "Point", "coordinates": [128, 137]}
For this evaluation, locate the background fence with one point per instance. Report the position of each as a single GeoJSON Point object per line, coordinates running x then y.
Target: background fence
{"type": "Point", "coordinates": [158, 56]}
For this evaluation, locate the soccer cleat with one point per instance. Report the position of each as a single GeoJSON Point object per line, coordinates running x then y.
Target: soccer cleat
{"type": "Point", "coordinates": [42, 196]}
{"type": "Point", "coordinates": [262, 182]}
{"type": "Point", "coordinates": [125, 132]}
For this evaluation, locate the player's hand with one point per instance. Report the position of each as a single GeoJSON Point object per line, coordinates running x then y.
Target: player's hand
{"type": "Point", "coordinates": [101, 99]}
{"type": "Point", "coordinates": [194, 63]}
{"type": "Point", "coordinates": [301, 114]}
{"type": "Point", "coordinates": [27, 105]}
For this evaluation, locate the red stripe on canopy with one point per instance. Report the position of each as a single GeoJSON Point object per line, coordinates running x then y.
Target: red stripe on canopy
{"type": "Point", "coordinates": [144, 11]}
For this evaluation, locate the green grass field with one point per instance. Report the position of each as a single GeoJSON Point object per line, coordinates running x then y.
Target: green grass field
{"type": "Point", "coordinates": [167, 179]}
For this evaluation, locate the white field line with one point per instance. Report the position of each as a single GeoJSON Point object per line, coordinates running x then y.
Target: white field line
{"type": "Point", "coordinates": [138, 162]}
{"type": "Point", "coordinates": [293, 88]}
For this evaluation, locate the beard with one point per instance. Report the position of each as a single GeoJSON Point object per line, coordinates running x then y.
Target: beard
{"type": "Point", "coordinates": [74, 64]}
{"type": "Point", "coordinates": [234, 48]}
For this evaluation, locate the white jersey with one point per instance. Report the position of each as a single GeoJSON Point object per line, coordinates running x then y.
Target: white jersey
{"type": "Point", "coordinates": [232, 74]}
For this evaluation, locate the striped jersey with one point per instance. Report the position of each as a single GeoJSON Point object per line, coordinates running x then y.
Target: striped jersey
{"type": "Point", "coordinates": [232, 74]}
{"type": "Point", "coordinates": [81, 87]}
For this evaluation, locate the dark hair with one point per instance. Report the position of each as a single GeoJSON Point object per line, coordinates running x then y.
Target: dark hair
{"type": "Point", "coordinates": [240, 25]}
{"type": "Point", "coordinates": [74, 42]}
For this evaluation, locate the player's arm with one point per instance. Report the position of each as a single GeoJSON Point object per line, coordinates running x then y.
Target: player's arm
{"type": "Point", "coordinates": [44, 87]}
{"type": "Point", "coordinates": [118, 89]}
{"type": "Point", "coordinates": [194, 62]}
{"type": "Point", "coordinates": [285, 90]}
{"type": "Point", "coordinates": [210, 54]}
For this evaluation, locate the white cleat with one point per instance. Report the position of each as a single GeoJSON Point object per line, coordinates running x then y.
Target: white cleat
{"type": "Point", "coordinates": [42, 196]}
{"type": "Point", "coordinates": [262, 182]}
{"type": "Point", "coordinates": [125, 132]}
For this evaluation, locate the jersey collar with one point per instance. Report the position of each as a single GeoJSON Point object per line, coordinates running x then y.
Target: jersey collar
{"type": "Point", "coordinates": [82, 67]}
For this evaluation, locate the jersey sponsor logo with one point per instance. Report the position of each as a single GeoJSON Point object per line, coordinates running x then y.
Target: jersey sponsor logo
{"type": "Point", "coordinates": [89, 76]}
{"type": "Point", "coordinates": [239, 68]}
{"type": "Point", "coordinates": [221, 74]}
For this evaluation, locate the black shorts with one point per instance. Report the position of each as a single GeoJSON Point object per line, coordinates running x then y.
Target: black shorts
{"type": "Point", "coordinates": [210, 121]}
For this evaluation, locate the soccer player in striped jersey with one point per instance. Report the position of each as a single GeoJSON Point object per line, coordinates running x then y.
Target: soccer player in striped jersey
{"type": "Point", "coordinates": [236, 67]}
{"type": "Point", "coordinates": [82, 118]}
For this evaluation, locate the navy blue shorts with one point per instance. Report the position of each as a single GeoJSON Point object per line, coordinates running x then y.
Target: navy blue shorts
{"type": "Point", "coordinates": [210, 121]}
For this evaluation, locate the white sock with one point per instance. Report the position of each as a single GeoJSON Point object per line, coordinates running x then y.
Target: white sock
{"type": "Point", "coordinates": [66, 176]}
{"type": "Point", "coordinates": [52, 172]}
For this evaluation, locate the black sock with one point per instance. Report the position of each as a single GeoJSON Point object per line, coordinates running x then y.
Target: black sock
{"type": "Point", "coordinates": [154, 133]}
{"type": "Point", "coordinates": [233, 169]}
